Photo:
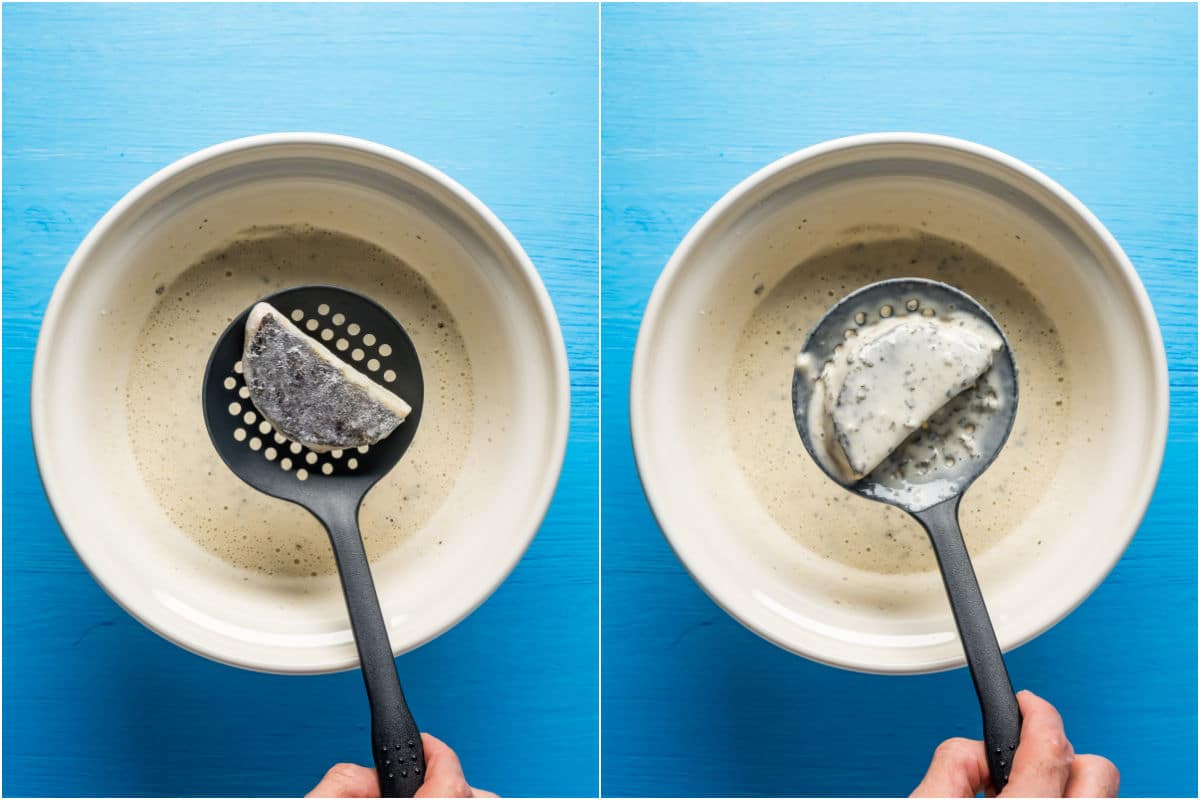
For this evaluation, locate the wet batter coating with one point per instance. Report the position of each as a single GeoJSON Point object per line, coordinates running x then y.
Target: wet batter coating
{"type": "Point", "coordinates": [888, 381]}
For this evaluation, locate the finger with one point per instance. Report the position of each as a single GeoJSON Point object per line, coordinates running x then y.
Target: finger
{"type": "Point", "coordinates": [347, 780]}
{"type": "Point", "coordinates": [443, 773]}
{"type": "Point", "coordinates": [958, 769]}
{"type": "Point", "coordinates": [1093, 776]}
{"type": "Point", "coordinates": [1042, 763]}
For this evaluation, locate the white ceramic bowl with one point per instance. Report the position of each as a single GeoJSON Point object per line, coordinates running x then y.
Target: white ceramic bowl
{"type": "Point", "coordinates": [964, 192]}
{"type": "Point", "coordinates": [159, 574]}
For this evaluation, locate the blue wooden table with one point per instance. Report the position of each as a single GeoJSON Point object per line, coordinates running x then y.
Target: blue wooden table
{"type": "Point", "coordinates": [505, 100]}
{"type": "Point", "coordinates": [1101, 98]}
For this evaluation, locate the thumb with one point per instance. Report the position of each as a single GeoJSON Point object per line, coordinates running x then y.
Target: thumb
{"type": "Point", "coordinates": [1042, 764]}
{"type": "Point", "coordinates": [958, 769]}
{"type": "Point", "coordinates": [443, 772]}
{"type": "Point", "coordinates": [347, 780]}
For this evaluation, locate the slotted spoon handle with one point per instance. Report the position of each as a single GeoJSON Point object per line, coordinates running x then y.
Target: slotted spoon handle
{"type": "Point", "coordinates": [395, 738]}
{"type": "Point", "coordinates": [1001, 715]}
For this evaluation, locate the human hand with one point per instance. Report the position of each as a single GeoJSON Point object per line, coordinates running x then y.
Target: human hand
{"type": "Point", "coordinates": [443, 777]}
{"type": "Point", "coordinates": [1044, 765]}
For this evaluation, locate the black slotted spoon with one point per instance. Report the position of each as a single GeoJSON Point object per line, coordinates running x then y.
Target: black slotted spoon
{"type": "Point", "coordinates": [332, 485]}
{"type": "Point", "coordinates": [935, 506]}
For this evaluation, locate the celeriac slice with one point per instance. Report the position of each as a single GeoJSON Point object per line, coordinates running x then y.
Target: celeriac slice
{"type": "Point", "coordinates": [309, 394]}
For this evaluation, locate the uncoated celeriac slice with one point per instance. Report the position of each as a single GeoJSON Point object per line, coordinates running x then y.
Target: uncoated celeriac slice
{"type": "Point", "coordinates": [309, 394]}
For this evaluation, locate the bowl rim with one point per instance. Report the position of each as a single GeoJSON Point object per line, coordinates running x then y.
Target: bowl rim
{"type": "Point", "coordinates": [675, 267]}
{"type": "Point", "coordinates": [57, 494]}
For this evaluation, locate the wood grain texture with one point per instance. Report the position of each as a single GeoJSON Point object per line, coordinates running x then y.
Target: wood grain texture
{"type": "Point", "coordinates": [695, 98]}
{"type": "Point", "coordinates": [502, 98]}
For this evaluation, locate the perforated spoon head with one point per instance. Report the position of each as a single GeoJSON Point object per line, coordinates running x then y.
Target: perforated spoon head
{"type": "Point", "coordinates": [350, 325]}
{"type": "Point", "coordinates": [924, 298]}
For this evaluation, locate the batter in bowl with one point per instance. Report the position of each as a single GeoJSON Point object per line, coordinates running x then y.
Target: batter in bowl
{"type": "Point", "coordinates": [250, 530]}
{"type": "Point", "coordinates": [817, 512]}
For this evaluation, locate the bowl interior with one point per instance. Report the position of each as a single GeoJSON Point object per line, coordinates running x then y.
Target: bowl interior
{"type": "Point", "coordinates": [431, 579]}
{"type": "Point", "coordinates": [724, 533]}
